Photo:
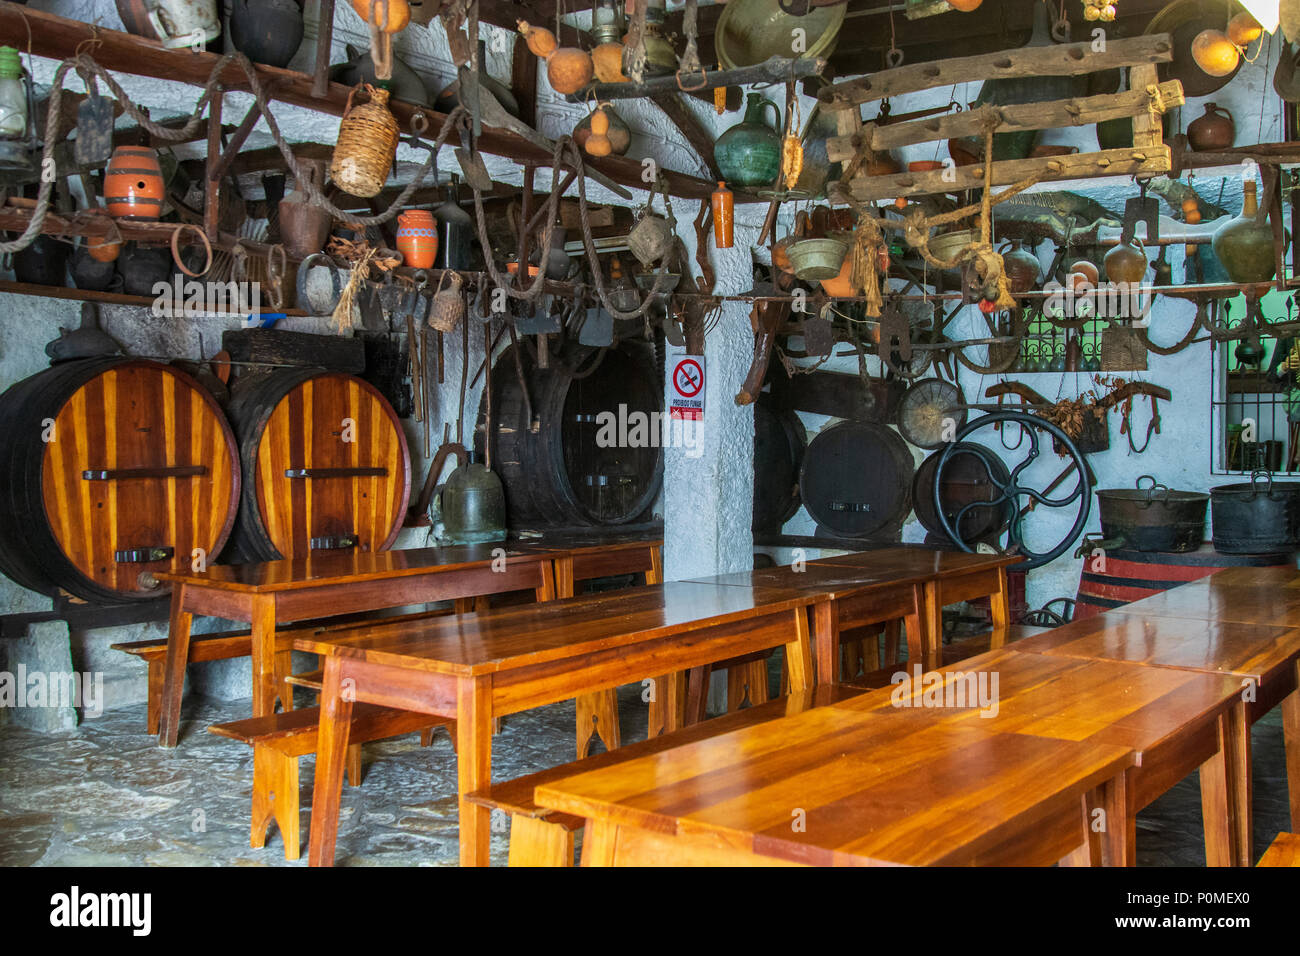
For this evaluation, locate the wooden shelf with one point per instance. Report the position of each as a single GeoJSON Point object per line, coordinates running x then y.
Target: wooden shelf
{"type": "Point", "coordinates": [105, 298]}
{"type": "Point", "coordinates": [59, 38]}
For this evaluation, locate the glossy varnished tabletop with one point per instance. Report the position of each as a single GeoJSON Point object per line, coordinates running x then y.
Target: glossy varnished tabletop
{"type": "Point", "coordinates": [834, 581]}
{"type": "Point", "coordinates": [1254, 651]}
{"type": "Point", "coordinates": [836, 786]}
{"type": "Point", "coordinates": [1175, 721]}
{"type": "Point", "coordinates": [329, 568]}
{"type": "Point", "coordinates": [532, 634]}
{"type": "Point", "coordinates": [1237, 595]}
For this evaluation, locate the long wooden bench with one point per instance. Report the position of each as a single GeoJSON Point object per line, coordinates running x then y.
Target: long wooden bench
{"type": "Point", "coordinates": [280, 739]}
{"type": "Point", "coordinates": [541, 837]}
{"type": "Point", "coordinates": [227, 645]}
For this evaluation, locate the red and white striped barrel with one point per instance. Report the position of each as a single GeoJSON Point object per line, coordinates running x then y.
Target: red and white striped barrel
{"type": "Point", "coordinates": [1128, 576]}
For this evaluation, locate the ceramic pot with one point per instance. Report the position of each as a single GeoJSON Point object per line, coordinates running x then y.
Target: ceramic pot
{"type": "Point", "coordinates": [266, 31]}
{"type": "Point", "coordinates": [44, 262]}
{"type": "Point", "coordinates": [818, 259]}
{"type": "Point", "coordinates": [405, 85]}
{"type": "Point", "coordinates": [1022, 269]}
{"type": "Point", "coordinates": [749, 154]}
{"type": "Point", "coordinates": [133, 184]}
{"type": "Point", "coordinates": [176, 23]}
{"type": "Point", "coordinates": [1212, 131]}
{"type": "Point", "coordinates": [417, 238]}
{"type": "Point", "coordinates": [305, 227]}
{"type": "Point", "coordinates": [93, 274]}
{"type": "Point", "coordinates": [1245, 247]}
{"type": "Point", "coordinates": [1126, 263]}
{"type": "Point", "coordinates": [449, 98]}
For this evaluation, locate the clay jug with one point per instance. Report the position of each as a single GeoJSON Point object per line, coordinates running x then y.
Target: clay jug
{"type": "Point", "coordinates": [1126, 263]}
{"type": "Point", "coordinates": [1245, 247]}
{"type": "Point", "coordinates": [143, 267]}
{"type": "Point", "coordinates": [266, 31]}
{"type": "Point", "coordinates": [93, 274]}
{"type": "Point", "coordinates": [1021, 268]}
{"type": "Point", "coordinates": [723, 202]}
{"type": "Point", "coordinates": [1213, 131]}
{"type": "Point", "coordinates": [44, 262]}
{"type": "Point", "coordinates": [417, 238]}
{"type": "Point", "coordinates": [304, 226]}
{"type": "Point", "coordinates": [749, 154]}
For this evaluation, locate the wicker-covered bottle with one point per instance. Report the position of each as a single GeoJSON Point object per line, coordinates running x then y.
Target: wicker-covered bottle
{"type": "Point", "coordinates": [367, 144]}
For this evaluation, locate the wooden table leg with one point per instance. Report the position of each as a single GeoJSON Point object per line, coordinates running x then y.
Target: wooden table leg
{"type": "Point", "coordinates": [1216, 808]}
{"type": "Point", "coordinates": [932, 624]}
{"type": "Point", "coordinates": [331, 756]}
{"type": "Point", "coordinates": [265, 693]}
{"type": "Point", "coordinates": [474, 767]}
{"type": "Point", "coordinates": [598, 840]}
{"type": "Point", "coordinates": [918, 640]}
{"type": "Point", "coordinates": [564, 583]}
{"type": "Point", "coordinates": [798, 654]}
{"type": "Point", "coordinates": [1291, 743]}
{"type": "Point", "coordinates": [1119, 838]}
{"type": "Point", "coordinates": [1000, 604]}
{"type": "Point", "coordinates": [667, 704]}
{"type": "Point", "coordinates": [826, 631]}
{"type": "Point", "coordinates": [537, 842]}
{"type": "Point", "coordinates": [1240, 788]}
{"type": "Point", "coordinates": [178, 655]}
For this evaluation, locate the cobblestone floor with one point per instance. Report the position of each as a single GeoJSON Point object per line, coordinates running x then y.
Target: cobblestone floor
{"type": "Point", "coordinates": [106, 795]}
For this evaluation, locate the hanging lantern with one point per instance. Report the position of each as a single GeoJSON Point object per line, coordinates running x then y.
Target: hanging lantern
{"type": "Point", "coordinates": [18, 141]}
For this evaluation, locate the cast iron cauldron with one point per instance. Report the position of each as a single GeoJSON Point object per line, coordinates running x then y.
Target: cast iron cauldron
{"type": "Point", "coordinates": [1152, 518]}
{"type": "Point", "coordinates": [1254, 518]}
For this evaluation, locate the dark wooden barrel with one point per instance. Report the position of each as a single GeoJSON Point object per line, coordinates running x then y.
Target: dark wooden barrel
{"type": "Point", "coordinates": [566, 473]}
{"type": "Point", "coordinates": [1129, 575]}
{"type": "Point", "coordinates": [779, 443]}
{"type": "Point", "coordinates": [112, 467]}
{"type": "Point", "coordinates": [325, 465]}
{"type": "Point", "coordinates": [856, 479]}
{"type": "Point", "coordinates": [965, 479]}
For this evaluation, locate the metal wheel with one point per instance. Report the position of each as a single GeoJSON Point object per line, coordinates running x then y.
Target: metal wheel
{"type": "Point", "coordinates": [1012, 490]}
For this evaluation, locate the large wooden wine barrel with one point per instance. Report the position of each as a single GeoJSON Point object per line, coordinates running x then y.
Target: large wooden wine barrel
{"type": "Point", "coordinates": [966, 479]}
{"type": "Point", "coordinates": [112, 467]}
{"type": "Point", "coordinates": [1127, 575]}
{"type": "Point", "coordinates": [325, 465]}
{"type": "Point", "coordinates": [779, 443]}
{"type": "Point", "coordinates": [856, 479]}
{"type": "Point", "coordinates": [567, 473]}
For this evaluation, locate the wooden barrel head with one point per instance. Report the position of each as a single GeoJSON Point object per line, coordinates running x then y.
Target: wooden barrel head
{"type": "Point", "coordinates": [326, 466]}
{"type": "Point", "coordinates": [856, 479]}
{"type": "Point", "coordinates": [116, 467]}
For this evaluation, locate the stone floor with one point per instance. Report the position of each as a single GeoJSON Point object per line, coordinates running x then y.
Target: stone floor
{"type": "Point", "coordinates": [104, 794]}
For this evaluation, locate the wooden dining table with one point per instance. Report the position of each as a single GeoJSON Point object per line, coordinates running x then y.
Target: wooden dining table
{"type": "Point", "coordinates": [268, 594]}
{"type": "Point", "coordinates": [835, 786]}
{"type": "Point", "coordinates": [475, 668]}
{"type": "Point", "coordinates": [949, 577]}
{"type": "Point", "coordinates": [850, 597]}
{"type": "Point", "coordinates": [1175, 721]}
{"type": "Point", "coordinates": [1262, 655]}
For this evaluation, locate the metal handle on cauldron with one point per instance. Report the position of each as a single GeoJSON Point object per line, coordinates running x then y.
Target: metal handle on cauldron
{"type": "Point", "coordinates": [1254, 476]}
{"type": "Point", "coordinates": [1151, 492]}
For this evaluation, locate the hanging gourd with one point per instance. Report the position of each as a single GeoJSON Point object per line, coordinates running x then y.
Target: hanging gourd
{"type": "Point", "coordinates": [367, 144]}
{"type": "Point", "coordinates": [1243, 29]}
{"type": "Point", "coordinates": [1191, 215]}
{"type": "Point", "coordinates": [568, 69]}
{"type": "Point", "coordinates": [1214, 53]}
{"type": "Point", "coordinates": [598, 143]}
{"type": "Point", "coordinates": [396, 19]}
{"type": "Point", "coordinates": [719, 100]}
{"type": "Point", "coordinates": [607, 63]}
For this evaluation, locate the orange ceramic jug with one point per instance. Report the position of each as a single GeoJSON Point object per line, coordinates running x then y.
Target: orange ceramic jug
{"type": "Point", "coordinates": [417, 238]}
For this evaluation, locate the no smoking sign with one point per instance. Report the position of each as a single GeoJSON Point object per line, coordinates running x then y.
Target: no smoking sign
{"type": "Point", "coordinates": [686, 392]}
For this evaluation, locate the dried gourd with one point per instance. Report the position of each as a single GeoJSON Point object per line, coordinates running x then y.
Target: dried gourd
{"type": "Point", "coordinates": [395, 20]}
{"type": "Point", "coordinates": [720, 99]}
{"type": "Point", "coordinates": [598, 143]}
{"type": "Point", "coordinates": [791, 159]}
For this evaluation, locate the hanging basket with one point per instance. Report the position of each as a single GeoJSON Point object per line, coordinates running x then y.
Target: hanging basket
{"type": "Point", "coordinates": [367, 144]}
